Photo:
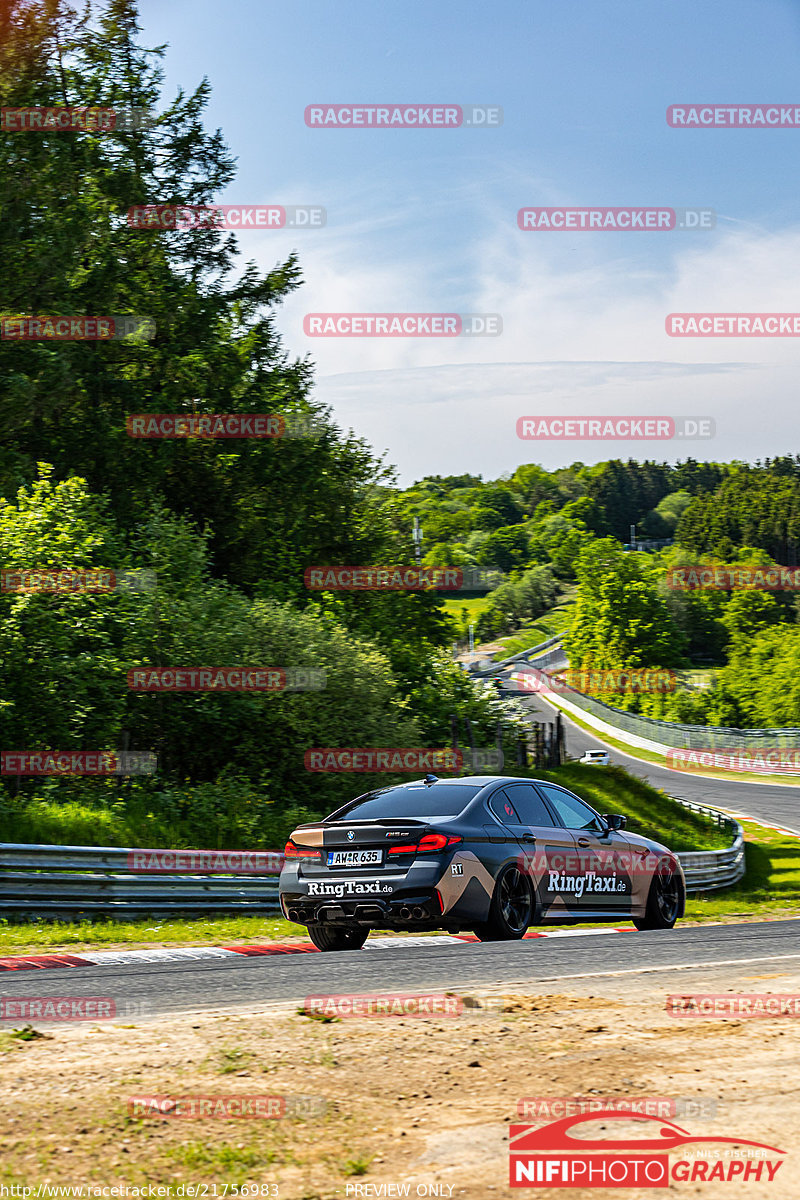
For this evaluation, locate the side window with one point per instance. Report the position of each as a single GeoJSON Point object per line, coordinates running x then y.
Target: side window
{"type": "Point", "coordinates": [503, 809]}
{"type": "Point", "coordinates": [529, 804]}
{"type": "Point", "coordinates": [572, 812]}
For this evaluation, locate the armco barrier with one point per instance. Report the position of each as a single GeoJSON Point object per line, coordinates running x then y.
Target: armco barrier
{"type": "Point", "coordinates": [709, 869]}
{"type": "Point", "coordinates": [76, 881]}
{"type": "Point", "coordinates": [685, 737]}
{"type": "Point", "coordinates": [546, 654]}
{"type": "Point", "coordinates": [652, 729]}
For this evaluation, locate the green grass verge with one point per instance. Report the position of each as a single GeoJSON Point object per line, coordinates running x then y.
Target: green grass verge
{"type": "Point", "coordinates": [32, 937]}
{"type": "Point", "coordinates": [651, 813]}
{"type": "Point", "coordinates": [770, 888]}
{"type": "Point", "coordinates": [473, 606]}
{"type": "Point", "coordinates": [554, 621]}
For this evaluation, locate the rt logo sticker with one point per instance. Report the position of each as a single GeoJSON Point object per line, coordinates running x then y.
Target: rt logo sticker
{"type": "Point", "coordinates": [457, 869]}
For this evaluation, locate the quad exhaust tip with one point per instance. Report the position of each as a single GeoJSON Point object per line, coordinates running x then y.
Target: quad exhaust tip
{"type": "Point", "coordinates": [417, 913]}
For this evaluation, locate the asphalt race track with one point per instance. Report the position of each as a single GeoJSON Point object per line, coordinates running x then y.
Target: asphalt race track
{"type": "Point", "coordinates": [687, 955]}
{"type": "Point", "coordinates": [774, 804]}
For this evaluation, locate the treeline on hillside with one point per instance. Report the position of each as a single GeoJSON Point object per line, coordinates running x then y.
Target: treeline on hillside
{"type": "Point", "coordinates": [524, 518]}
{"type": "Point", "coordinates": [627, 615]}
{"type": "Point", "coordinates": [753, 506]}
{"type": "Point", "coordinates": [549, 528]}
{"type": "Point", "coordinates": [534, 524]}
{"type": "Point", "coordinates": [464, 512]}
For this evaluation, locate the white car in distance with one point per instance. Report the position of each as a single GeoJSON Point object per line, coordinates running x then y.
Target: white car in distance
{"type": "Point", "coordinates": [596, 758]}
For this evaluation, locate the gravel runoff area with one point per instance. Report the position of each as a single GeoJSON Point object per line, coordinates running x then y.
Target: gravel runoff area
{"type": "Point", "coordinates": [374, 1105]}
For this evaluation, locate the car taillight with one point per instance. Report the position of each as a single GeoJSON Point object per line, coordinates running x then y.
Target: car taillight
{"type": "Point", "coordinates": [293, 852]}
{"type": "Point", "coordinates": [436, 841]}
{"type": "Point", "coordinates": [430, 843]}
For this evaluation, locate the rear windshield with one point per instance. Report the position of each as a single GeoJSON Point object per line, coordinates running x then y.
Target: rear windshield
{"type": "Point", "coordinates": [416, 800]}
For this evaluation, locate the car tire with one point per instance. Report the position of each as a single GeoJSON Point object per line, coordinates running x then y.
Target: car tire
{"type": "Point", "coordinates": [337, 937]}
{"type": "Point", "coordinates": [663, 899]}
{"type": "Point", "coordinates": [511, 910]}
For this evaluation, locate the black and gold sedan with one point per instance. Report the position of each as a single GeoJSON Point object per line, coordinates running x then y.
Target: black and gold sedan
{"type": "Point", "coordinates": [489, 854]}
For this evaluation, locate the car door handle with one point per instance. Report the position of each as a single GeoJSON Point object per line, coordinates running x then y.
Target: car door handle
{"type": "Point", "coordinates": [584, 842]}
{"type": "Point", "coordinates": [527, 837]}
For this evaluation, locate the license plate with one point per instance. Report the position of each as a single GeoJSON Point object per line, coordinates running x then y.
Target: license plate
{"type": "Point", "coordinates": [354, 858]}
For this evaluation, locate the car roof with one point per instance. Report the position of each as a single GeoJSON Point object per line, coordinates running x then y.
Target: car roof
{"type": "Point", "coordinates": [474, 780]}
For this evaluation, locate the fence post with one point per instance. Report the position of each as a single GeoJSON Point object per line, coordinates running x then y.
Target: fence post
{"type": "Point", "coordinates": [471, 737]}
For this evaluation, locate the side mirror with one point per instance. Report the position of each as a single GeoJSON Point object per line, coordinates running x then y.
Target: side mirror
{"type": "Point", "coordinates": [615, 820]}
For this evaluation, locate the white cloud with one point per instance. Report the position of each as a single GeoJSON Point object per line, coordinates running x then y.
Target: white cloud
{"type": "Point", "coordinates": [583, 334]}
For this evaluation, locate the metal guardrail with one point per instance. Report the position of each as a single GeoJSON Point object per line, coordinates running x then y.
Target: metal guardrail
{"type": "Point", "coordinates": [539, 652]}
{"type": "Point", "coordinates": [549, 655]}
{"type": "Point", "coordinates": [688, 737]}
{"type": "Point", "coordinates": [84, 881]}
{"type": "Point", "coordinates": [672, 733]}
{"type": "Point", "coordinates": [706, 870]}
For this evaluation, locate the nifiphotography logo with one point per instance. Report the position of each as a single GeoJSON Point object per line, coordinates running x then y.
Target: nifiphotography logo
{"type": "Point", "coordinates": [557, 1155]}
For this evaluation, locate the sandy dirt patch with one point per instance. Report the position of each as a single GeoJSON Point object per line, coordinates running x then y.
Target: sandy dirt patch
{"type": "Point", "coordinates": [422, 1103]}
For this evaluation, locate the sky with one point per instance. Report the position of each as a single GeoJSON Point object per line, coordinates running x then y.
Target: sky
{"type": "Point", "coordinates": [425, 220]}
